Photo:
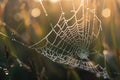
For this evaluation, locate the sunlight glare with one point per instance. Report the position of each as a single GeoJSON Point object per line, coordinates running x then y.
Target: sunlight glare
{"type": "Point", "coordinates": [37, 0]}
{"type": "Point", "coordinates": [54, 1]}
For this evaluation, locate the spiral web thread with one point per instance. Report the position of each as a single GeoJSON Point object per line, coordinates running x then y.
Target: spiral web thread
{"type": "Point", "coordinates": [66, 41]}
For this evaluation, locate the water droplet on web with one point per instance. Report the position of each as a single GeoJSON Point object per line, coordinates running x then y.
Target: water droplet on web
{"type": "Point", "coordinates": [12, 33]}
{"type": "Point", "coordinates": [98, 75]}
{"type": "Point", "coordinates": [13, 39]}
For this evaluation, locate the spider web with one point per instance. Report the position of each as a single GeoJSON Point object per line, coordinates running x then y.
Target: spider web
{"type": "Point", "coordinates": [70, 44]}
{"type": "Point", "coordinates": [70, 41]}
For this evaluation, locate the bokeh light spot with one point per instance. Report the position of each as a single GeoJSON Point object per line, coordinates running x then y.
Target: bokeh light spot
{"type": "Point", "coordinates": [105, 52]}
{"type": "Point", "coordinates": [35, 12]}
{"type": "Point", "coordinates": [106, 12]}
